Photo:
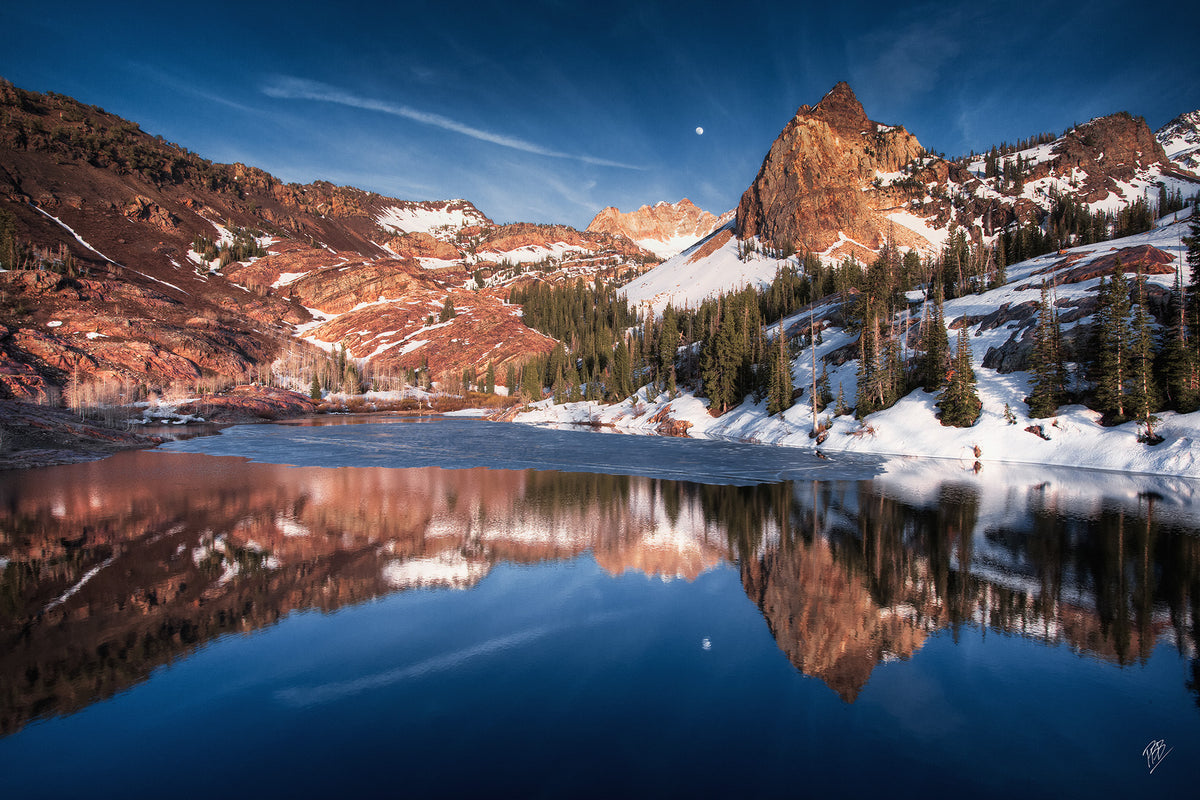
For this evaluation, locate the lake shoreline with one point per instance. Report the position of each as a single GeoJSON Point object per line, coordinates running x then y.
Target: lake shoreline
{"type": "Point", "coordinates": [38, 436]}
{"type": "Point", "coordinates": [41, 436]}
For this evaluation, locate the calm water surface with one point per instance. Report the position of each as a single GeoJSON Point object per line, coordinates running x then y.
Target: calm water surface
{"type": "Point", "coordinates": [469, 608]}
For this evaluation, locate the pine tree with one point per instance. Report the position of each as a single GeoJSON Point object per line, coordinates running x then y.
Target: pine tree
{"type": "Point", "coordinates": [448, 313]}
{"type": "Point", "coordinates": [1143, 394]}
{"type": "Point", "coordinates": [668, 344]}
{"type": "Point", "coordinates": [779, 393]}
{"type": "Point", "coordinates": [622, 375]}
{"type": "Point", "coordinates": [719, 365]}
{"type": "Point", "coordinates": [1175, 366]}
{"type": "Point", "coordinates": [824, 393]}
{"type": "Point", "coordinates": [1110, 331]}
{"type": "Point", "coordinates": [531, 381]}
{"type": "Point", "coordinates": [959, 402]}
{"type": "Point", "coordinates": [936, 344]}
{"type": "Point", "coordinates": [1046, 389]}
{"type": "Point", "coordinates": [863, 404]}
{"type": "Point", "coordinates": [314, 391]}
{"type": "Point", "coordinates": [489, 380]}
{"type": "Point", "coordinates": [1192, 291]}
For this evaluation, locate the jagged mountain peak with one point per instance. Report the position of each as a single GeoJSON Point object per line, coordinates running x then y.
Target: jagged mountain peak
{"type": "Point", "coordinates": [808, 194]}
{"type": "Point", "coordinates": [840, 108]}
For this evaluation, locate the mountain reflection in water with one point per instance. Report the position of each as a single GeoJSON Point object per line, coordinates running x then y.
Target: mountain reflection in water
{"type": "Point", "coordinates": [113, 568]}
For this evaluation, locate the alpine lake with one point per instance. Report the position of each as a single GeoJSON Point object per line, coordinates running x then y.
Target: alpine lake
{"type": "Point", "coordinates": [387, 607]}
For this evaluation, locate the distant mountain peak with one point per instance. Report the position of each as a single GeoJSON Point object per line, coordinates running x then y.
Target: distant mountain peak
{"type": "Point", "coordinates": [664, 228]}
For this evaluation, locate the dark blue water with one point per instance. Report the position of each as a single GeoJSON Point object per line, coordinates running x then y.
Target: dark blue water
{"type": "Point", "coordinates": [201, 625]}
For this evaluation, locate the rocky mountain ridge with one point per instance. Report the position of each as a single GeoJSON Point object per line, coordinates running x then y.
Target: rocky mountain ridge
{"type": "Point", "coordinates": [839, 184]}
{"type": "Point", "coordinates": [133, 261]}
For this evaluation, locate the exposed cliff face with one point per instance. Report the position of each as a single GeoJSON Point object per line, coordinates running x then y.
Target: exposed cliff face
{"type": "Point", "coordinates": [809, 192]}
{"type": "Point", "coordinates": [664, 228]}
{"type": "Point", "coordinates": [1105, 152]}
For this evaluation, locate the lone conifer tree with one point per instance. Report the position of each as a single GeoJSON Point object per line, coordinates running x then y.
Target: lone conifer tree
{"type": "Point", "coordinates": [779, 391]}
{"type": "Point", "coordinates": [937, 346]}
{"type": "Point", "coordinates": [1175, 365]}
{"type": "Point", "coordinates": [1143, 393]}
{"type": "Point", "coordinates": [960, 403]}
{"type": "Point", "coordinates": [1111, 371]}
{"type": "Point", "coordinates": [1046, 389]}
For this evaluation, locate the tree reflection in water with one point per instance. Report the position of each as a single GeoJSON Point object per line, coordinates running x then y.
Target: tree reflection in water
{"type": "Point", "coordinates": [113, 568]}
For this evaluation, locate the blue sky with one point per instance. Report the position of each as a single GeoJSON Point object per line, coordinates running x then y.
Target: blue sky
{"type": "Point", "coordinates": [549, 111]}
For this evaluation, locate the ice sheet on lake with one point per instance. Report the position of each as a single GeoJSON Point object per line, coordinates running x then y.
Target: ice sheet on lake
{"type": "Point", "coordinates": [457, 443]}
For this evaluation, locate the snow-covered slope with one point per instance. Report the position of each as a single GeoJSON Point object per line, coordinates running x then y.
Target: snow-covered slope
{"type": "Point", "coordinates": [911, 428]}
{"type": "Point", "coordinates": [439, 216]}
{"type": "Point", "coordinates": [706, 269]}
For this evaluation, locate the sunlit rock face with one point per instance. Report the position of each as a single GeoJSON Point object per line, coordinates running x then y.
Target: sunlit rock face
{"type": "Point", "coordinates": [813, 190]}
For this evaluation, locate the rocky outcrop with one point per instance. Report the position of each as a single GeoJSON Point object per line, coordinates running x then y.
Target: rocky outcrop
{"type": "Point", "coordinates": [422, 245]}
{"type": "Point", "coordinates": [38, 436]}
{"type": "Point", "coordinates": [1105, 151]}
{"type": "Point", "coordinates": [497, 243]}
{"type": "Point", "coordinates": [1145, 258]}
{"type": "Point", "coordinates": [813, 189]}
{"type": "Point", "coordinates": [839, 184]}
{"type": "Point", "coordinates": [143, 209]}
{"type": "Point", "coordinates": [1180, 140]}
{"type": "Point", "coordinates": [337, 289]}
{"type": "Point", "coordinates": [249, 404]}
{"type": "Point", "coordinates": [398, 336]}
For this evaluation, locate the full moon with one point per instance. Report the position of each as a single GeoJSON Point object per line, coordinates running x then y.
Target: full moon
{"type": "Point", "coordinates": [699, 131]}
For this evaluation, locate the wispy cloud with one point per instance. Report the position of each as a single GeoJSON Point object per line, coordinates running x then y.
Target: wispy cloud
{"type": "Point", "coordinates": [290, 88]}
{"type": "Point", "coordinates": [177, 84]}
